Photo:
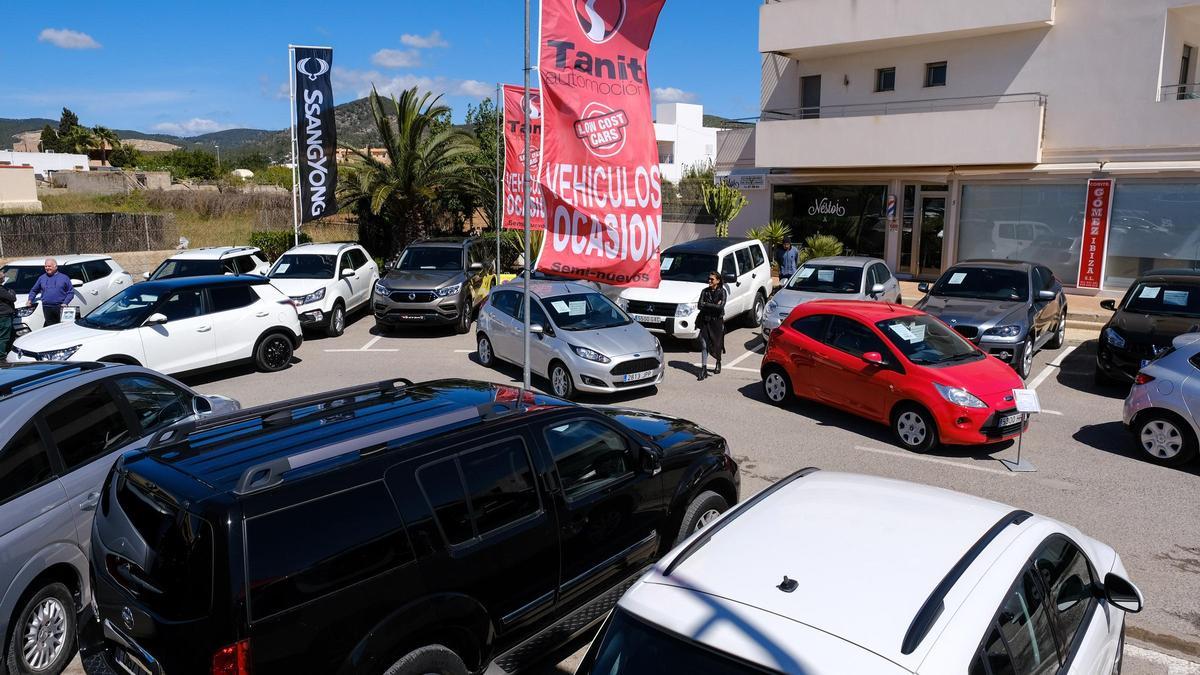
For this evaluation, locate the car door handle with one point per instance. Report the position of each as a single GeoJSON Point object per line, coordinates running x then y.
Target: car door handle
{"type": "Point", "coordinates": [262, 314]}
{"type": "Point", "coordinates": [95, 292]}
{"type": "Point", "coordinates": [89, 502]}
{"type": "Point", "coordinates": [203, 329]}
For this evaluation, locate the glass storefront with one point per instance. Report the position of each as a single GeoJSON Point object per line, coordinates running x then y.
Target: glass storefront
{"type": "Point", "coordinates": [1154, 225]}
{"type": "Point", "coordinates": [1036, 222]}
{"type": "Point", "coordinates": [852, 213]}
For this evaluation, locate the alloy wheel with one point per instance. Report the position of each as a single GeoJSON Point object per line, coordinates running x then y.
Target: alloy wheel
{"type": "Point", "coordinates": [485, 351]}
{"type": "Point", "coordinates": [558, 381]}
{"type": "Point", "coordinates": [339, 320]}
{"type": "Point", "coordinates": [759, 308]}
{"type": "Point", "coordinates": [1161, 439]}
{"type": "Point", "coordinates": [45, 634]}
{"type": "Point", "coordinates": [706, 518]}
{"type": "Point", "coordinates": [775, 387]}
{"type": "Point", "coordinates": [1027, 358]}
{"type": "Point", "coordinates": [277, 352]}
{"type": "Point", "coordinates": [911, 428]}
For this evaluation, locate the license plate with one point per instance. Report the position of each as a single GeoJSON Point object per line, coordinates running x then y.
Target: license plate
{"type": "Point", "coordinates": [131, 664]}
{"type": "Point", "coordinates": [649, 318]}
{"type": "Point", "coordinates": [69, 314]}
{"type": "Point", "coordinates": [412, 317]}
{"type": "Point", "coordinates": [1010, 419]}
{"type": "Point", "coordinates": [634, 377]}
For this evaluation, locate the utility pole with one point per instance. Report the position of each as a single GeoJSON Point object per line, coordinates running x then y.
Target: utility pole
{"type": "Point", "coordinates": [528, 256]}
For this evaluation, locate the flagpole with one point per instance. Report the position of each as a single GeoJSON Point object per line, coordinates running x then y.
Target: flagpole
{"type": "Point", "coordinates": [500, 150]}
{"type": "Point", "coordinates": [295, 157]}
{"type": "Point", "coordinates": [528, 257]}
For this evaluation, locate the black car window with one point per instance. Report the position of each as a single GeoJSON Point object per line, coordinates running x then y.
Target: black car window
{"type": "Point", "coordinates": [500, 485]}
{"type": "Point", "coordinates": [186, 268]}
{"type": "Point", "coordinates": [184, 304]}
{"type": "Point", "coordinates": [1171, 298]}
{"type": "Point", "coordinates": [728, 266]}
{"type": "Point", "coordinates": [872, 277]}
{"type": "Point", "coordinates": [885, 275]}
{"type": "Point", "coordinates": [431, 258]}
{"type": "Point", "coordinates": [983, 283]}
{"type": "Point", "coordinates": [695, 267]}
{"type": "Point", "coordinates": [743, 259]}
{"type": "Point", "coordinates": [1021, 640]}
{"type": "Point", "coordinates": [302, 552]}
{"type": "Point", "coordinates": [96, 269]}
{"type": "Point", "coordinates": [1065, 571]}
{"type": "Point", "coordinates": [443, 488]}
{"type": "Point", "coordinates": [854, 338]}
{"type": "Point", "coordinates": [347, 263]}
{"type": "Point", "coordinates": [360, 257]}
{"type": "Point", "coordinates": [1047, 278]}
{"type": "Point", "coordinates": [226, 298]}
{"type": "Point", "coordinates": [827, 278]}
{"type": "Point", "coordinates": [812, 326]}
{"type": "Point", "coordinates": [155, 403]}
{"type": "Point", "coordinates": [73, 272]}
{"type": "Point", "coordinates": [756, 256]}
{"type": "Point", "coordinates": [24, 464]}
{"type": "Point", "coordinates": [588, 454]}
{"type": "Point", "coordinates": [86, 424]}
{"type": "Point", "coordinates": [507, 302]}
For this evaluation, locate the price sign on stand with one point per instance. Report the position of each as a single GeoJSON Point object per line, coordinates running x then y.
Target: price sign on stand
{"type": "Point", "coordinates": [1027, 404]}
{"type": "Point", "coordinates": [69, 314]}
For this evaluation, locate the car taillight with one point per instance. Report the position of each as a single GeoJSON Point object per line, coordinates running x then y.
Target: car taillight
{"type": "Point", "coordinates": [232, 660]}
{"type": "Point", "coordinates": [1143, 378]}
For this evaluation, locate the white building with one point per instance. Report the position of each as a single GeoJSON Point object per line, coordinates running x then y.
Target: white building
{"type": "Point", "coordinates": [983, 120]}
{"type": "Point", "coordinates": [44, 163]}
{"type": "Point", "coordinates": [683, 140]}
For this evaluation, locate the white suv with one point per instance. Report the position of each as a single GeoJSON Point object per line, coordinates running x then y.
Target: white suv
{"type": "Point", "coordinates": [212, 260]}
{"type": "Point", "coordinates": [178, 325]}
{"type": "Point", "coordinates": [96, 278]}
{"type": "Point", "coordinates": [671, 310]}
{"type": "Point", "coordinates": [327, 282]}
{"type": "Point", "coordinates": [841, 573]}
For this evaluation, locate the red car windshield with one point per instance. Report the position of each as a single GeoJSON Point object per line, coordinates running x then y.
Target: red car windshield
{"type": "Point", "coordinates": [926, 341]}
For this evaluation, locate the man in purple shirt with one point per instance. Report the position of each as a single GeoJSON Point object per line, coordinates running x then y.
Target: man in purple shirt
{"type": "Point", "coordinates": [54, 290]}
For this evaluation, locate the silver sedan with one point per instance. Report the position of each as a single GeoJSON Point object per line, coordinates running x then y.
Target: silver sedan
{"type": "Point", "coordinates": [1161, 407]}
{"type": "Point", "coordinates": [581, 340]}
{"type": "Point", "coordinates": [836, 278]}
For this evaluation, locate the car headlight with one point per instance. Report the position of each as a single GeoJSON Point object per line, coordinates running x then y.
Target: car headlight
{"type": "Point", "coordinates": [772, 306]}
{"type": "Point", "coordinates": [658, 349]}
{"type": "Point", "coordinates": [590, 354]}
{"type": "Point", "coordinates": [959, 396]}
{"type": "Point", "coordinates": [1003, 331]}
{"type": "Point", "coordinates": [380, 289]}
{"type": "Point", "coordinates": [26, 311]}
{"type": "Point", "coordinates": [60, 354]}
{"type": "Point", "coordinates": [449, 290]}
{"type": "Point", "coordinates": [315, 296]}
{"type": "Point", "coordinates": [1114, 338]}
{"type": "Point", "coordinates": [685, 308]}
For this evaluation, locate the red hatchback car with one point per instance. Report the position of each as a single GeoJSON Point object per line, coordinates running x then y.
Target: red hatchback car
{"type": "Point", "coordinates": [895, 365]}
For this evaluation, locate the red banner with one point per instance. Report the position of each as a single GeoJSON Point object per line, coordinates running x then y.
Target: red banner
{"type": "Point", "coordinates": [601, 178]}
{"type": "Point", "coordinates": [514, 159]}
{"type": "Point", "coordinates": [1095, 233]}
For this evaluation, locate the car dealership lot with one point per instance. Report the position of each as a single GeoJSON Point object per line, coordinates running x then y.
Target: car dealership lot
{"type": "Point", "coordinates": [1088, 473]}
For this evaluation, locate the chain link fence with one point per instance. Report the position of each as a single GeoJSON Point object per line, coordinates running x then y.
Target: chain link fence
{"type": "Point", "coordinates": [53, 233]}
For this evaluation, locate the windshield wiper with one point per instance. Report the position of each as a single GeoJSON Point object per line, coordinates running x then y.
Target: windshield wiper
{"type": "Point", "coordinates": [960, 357]}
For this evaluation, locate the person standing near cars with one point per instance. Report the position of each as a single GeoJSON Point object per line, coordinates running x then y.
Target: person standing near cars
{"type": "Point", "coordinates": [8, 309]}
{"type": "Point", "coordinates": [54, 290]}
{"type": "Point", "coordinates": [788, 258]}
{"type": "Point", "coordinates": [712, 323]}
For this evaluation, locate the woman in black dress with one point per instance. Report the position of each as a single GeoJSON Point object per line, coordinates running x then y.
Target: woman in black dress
{"type": "Point", "coordinates": [712, 324]}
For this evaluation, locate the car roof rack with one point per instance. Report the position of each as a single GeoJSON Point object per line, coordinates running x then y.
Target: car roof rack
{"type": "Point", "coordinates": [39, 377]}
{"type": "Point", "coordinates": [708, 532]}
{"type": "Point", "coordinates": [935, 603]}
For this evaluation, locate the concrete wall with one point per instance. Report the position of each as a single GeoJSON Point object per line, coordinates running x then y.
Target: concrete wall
{"type": "Point", "coordinates": [18, 190]}
{"type": "Point", "coordinates": [91, 182]}
{"type": "Point", "coordinates": [682, 125]}
{"type": "Point", "coordinates": [45, 162]}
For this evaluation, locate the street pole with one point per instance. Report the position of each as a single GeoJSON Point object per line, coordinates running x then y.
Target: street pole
{"type": "Point", "coordinates": [499, 179]}
{"type": "Point", "coordinates": [528, 257]}
{"type": "Point", "coordinates": [218, 157]}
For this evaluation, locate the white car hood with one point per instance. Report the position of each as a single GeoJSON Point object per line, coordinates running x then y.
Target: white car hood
{"type": "Point", "coordinates": [63, 335]}
{"type": "Point", "coordinates": [295, 288]}
{"type": "Point", "coordinates": [668, 291]}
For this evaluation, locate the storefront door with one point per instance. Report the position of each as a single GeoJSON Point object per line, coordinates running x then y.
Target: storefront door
{"type": "Point", "coordinates": [927, 246]}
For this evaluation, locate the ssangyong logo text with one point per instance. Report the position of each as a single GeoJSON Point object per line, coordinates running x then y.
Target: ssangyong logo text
{"type": "Point", "coordinates": [322, 67]}
{"type": "Point", "coordinates": [600, 19]}
{"type": "Point", "coordinates": [314, 148]}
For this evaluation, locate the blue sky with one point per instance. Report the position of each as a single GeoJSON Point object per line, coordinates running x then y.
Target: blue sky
{"type": "Point", "coordinates": [189, 68]}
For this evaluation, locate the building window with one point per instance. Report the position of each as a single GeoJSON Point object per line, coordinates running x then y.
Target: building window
{"type": "Point", "coordinates": [935, 74]}
{"type": "Point", "coordinates": [885, 79]}
{"type": "Point", "coordinates": [852, 213]}
{"type": "Point", "coordinates": [1186, 86]}
{"type": "Point", "coordinates": [666, 152]}
{"type": "Point", "coordinates": [1038, 222]}
{"type": "Point", "coordinates": [1153, 225]}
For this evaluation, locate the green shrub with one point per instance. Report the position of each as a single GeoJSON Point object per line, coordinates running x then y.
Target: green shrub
{"type": "Point", "coordinates": [274, 243]}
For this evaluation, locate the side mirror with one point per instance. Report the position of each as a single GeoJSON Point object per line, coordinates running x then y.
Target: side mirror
{"type": "Point", "coordinates": [873, 358]}
{"type": "Point", "coordinates": [155, 319]}
{"type": "Point", "coordinates": [923, 287]}
{"type": "Point", "coordinates": [729, 278]}
{"type": "Point", "coordinates": [877, 290]}
{"type": "Point", "coordinates": [651, 462]}
{"type": "Point", "coordinates": [145, 276]}
{"type": "Point", "coordinates": [476, 266]}
{"type": "Point", "coordinates": [347, 273]}
{"type": "Point", "coordinates": [201, 406]}
{"type": "Point", "coordinates": [1046, 295]}
{"type": "Point", "coordinates": [1122, 594]}
{"type": "Point", "coordinates": [536, 329]}
{"type": "Point", "coordinates": [76, 283]}
{"type": "Point", "coordinates": [1109, 304]}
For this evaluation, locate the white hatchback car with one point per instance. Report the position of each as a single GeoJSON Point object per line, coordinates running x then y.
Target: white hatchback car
{"type": "Point", "coordinates": [839, 573]}
{"type": "Point", "coordinates": [327, 282]}
{"type": "Point", "coordinates": [96, 278]}
{"type": "Point", "coordinates": [176, 326]}
{"type": "Point", "coordinates": [212, 260]}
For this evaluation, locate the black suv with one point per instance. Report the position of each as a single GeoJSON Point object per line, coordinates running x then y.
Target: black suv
{"type": "Point", "coordinates": [1160, 306]}
{"type": "Point", "coordinates": [442, 527]}
{"type": "Point", "coordinates": [434, 282]}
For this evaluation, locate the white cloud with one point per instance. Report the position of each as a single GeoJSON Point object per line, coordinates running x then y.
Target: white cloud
{"type": "Point", "coordinates": [192, 127]}
{"type": "Point", "coordinates": [673, 95]}
{"type": "Point", "coordinates": [68, 39]}
{"type": "Point", "coordinates": [396, 58]}
{"type": "Point", "coordinates": [434, 39]}
{"type": "Point", "coordinates": [476, 88]}
{"type": "Point", "coordinates": [359, 82]}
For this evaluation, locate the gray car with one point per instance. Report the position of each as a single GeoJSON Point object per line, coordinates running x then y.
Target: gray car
{"type": "Point", "coordinates": [1161, 408]}
{"type": "Point", "coordinates": [834, 278]}
{"type": "Point", "coordinates": [62, 426]}
{"type": "Point", "coordinates": [435, 282]}
{"type": "Point", "coordinates": [1009, 308]}
{"type": "Point", "coordinates": [582, 340]}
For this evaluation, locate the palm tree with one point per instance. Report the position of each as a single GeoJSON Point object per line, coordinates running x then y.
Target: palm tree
{"type": "Point", "coordinates": [104, 139]}
{"type": "Point", "coordinates": [76, 141]}
{"type": "Point", "coordinates": [425, 157]}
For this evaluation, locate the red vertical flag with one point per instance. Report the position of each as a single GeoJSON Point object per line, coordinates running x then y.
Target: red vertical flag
{"type": "Point", "coordinates": [600, 176]}
{"type": "Point", "coordinates": [1095, 233]}
{"type": "Point", "coordinates": [514, 159]}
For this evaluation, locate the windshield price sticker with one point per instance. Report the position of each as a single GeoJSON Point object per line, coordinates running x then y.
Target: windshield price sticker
{"type": "Point", "coordinates": [957, 278]}
{"type": "Point", "coordinates": [666, 263]}
{"type": "Point", "coordinates": [560, 307]}
{"type": "Point", "coordinates": [1176, 298]}
{"type": "Point", "coordinates": [806, 272]}
{"type": "Point", "coordinates": [908, 333]}
{"type": "Point", "coordinates": [283, 267]}
{"type": "Point", "coordinates": [577, 308]}
{"type": "Point", "coordinates": [825, 275]}
{"type": "Point", "coordinates": [1149, 292]}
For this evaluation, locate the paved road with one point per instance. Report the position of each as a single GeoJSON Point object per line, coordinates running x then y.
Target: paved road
{"type": "Point", "coordinates": [1088, 472]}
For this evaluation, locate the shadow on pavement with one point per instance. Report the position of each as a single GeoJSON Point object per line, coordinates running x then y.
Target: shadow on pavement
{"type": "Point", "coordinates": [202, 377]}
{"type": "Point", "coordinates": [1077, 372]}
{"type": "Point", "coordinates": [1111, 437]}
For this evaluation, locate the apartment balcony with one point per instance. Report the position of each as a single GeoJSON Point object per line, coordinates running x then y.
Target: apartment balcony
{"type": "Point", "coordinates": [1180, 92]}
{"type": "Point", "coordinates": [805, 29]}
{"type": "Point", "coordinates": [979, 130]}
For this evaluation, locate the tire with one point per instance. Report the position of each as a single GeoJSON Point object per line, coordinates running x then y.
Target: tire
{"type": "Point", "coordinates": [50, 649]}
{"type": "Point", "coordinates": [1060, 332]}
{"type": "Point", "coordinates": [434, 659]}
{"type": "Point", "coordinates": [463, 325]}
{"type": "Point", "coordinates": [777, 386]}
{"type": "Point", "coordinates": [704, 508]}
{"type": "Point", "coordinates": [754, 317]}
{"type": "Point", "coordinates": [561, 383]}
{"type": "Point", "coordinates": [1165, 439]}
{"type": "Point", "coordinates": [273, 353]}
{"type": "Point", "coordinates": [337, 320]}
{"type": "Point", "coordinates": [485, 351]}
{"type": "Point", "coordinates": [1024, 364]}
{"type": "Point", "coordinates": [914, 428]}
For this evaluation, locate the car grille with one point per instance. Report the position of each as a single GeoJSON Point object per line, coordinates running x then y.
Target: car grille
{"type": "Point", "coordinates": [969, 332]}
{"type": "Point", "coordinates": [412, 296]}
{"type": "Point", "coordinates": [634, 366]}
{"type": "Point", "coordinates": [998, 432]}
{"type": "Point", "coordinates": [653, 308]}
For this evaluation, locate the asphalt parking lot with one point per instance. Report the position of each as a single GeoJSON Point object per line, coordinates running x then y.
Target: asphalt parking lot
{"type": "Point", "coordinates": [1088, 473]}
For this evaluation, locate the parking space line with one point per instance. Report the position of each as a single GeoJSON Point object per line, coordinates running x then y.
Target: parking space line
{"type": "Point", "coordinates": [935, 460]}
{"type": "Point", "coordinates": [367, 347]}
{"type": "Point", "coordinates": [359, 351]}
{"type": "Point", "coordinates": [1052, 412]}
{"type": "Point", "coordinates": [745, 356]}
{"type": "Point", "coordinates": [464, 351]}
{"type": "Point", "coordinates": [1057, 362]}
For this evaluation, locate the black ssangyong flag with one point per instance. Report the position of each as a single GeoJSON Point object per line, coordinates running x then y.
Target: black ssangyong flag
{"type": "Point", "coordinates": [316, 135]}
